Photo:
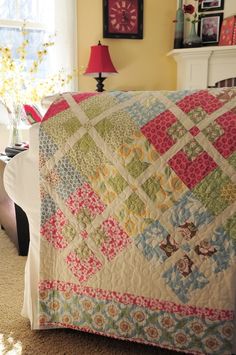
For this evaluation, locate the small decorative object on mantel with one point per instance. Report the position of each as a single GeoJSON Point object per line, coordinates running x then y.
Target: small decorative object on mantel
{"type": "Point", "coordinates": [228, 31]}
{"type": "Point", "coordinates": [192, 39]}
{"type": "Point", "coordinates": [207, 5]}
{"type": "Point", "coordinates": [123, 19]}
{"type": "Point", "coordinates": [209, 28]}
{"type": "Point", "coordinates": [179, 26]}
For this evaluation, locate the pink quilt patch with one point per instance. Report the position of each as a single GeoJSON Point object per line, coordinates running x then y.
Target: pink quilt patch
{"type": "Point", "coordinates": [85, 197]}
{"type": "Point", "coordinates": [52, 230]}
{"type": "Point", "coordinates": [200, 99]}
{"type": "Point", "coordinates": [194, 131]}
{"type": "Point", "coordinates": [156, 131]}
{"type": "Point", "coordinates": [192, 172]}
{"type": "Point", "coordinates": [116, 240]}
{"type": "Point", "coordinates": [226, 144]}
{"type": "Point", "coordinates": [83, 96]}
{"type": "Point", "coordinates": [55, 108]}
{"type": "Point", "coordinates": [83, 267]}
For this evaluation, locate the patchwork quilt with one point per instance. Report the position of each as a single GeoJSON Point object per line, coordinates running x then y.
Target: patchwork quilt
{"type": "Point", "coordinates": [138, 217]}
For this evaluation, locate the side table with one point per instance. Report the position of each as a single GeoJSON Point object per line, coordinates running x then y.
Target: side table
{"type": "Point", "coordinates": [12, 218]}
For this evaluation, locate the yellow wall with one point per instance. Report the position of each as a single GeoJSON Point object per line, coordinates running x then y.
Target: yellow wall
{"type": "Point", "coordinates": [142, 64]}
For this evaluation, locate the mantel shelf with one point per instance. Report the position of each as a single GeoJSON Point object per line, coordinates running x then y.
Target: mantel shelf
{"type": "Point", "coordinates": [205, 49]}
{"type": "Point", "coordinates": [202, 67]}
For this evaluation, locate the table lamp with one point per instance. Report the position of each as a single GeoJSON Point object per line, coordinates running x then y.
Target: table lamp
{"type": "Point", "coordinates": [100, 65]}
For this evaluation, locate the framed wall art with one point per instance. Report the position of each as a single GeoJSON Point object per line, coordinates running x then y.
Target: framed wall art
{"type": "Point", "coordinates": [209, 5]}
{"type": "Point", "coordinates": [209, 28]}
{"type": "Point", "coordinates": [123, 19]}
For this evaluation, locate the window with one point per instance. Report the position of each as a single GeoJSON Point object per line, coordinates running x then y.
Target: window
{"type": "Point", "coordinates": [42, 17]}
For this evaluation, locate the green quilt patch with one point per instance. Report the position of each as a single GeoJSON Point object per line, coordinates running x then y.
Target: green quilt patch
{"type": "Point", "coordinates": [64, 122]}
{"type": "Point", "coordinates": [135, 205]}
{"type": "Point", "coordinates": [116, 129]}
{"type": "Point", "coordinates": [230, 227]}
{"type": "Point", "coordinates": [117, 183]}
{"type": "Point", "coordinates": [151, 187]}
{"type": "Point", "coordinates": [215, 191]}
{"type": "Point", "coordinates": [197, 114]}
{"type": "Point", "coordinates": [89, 156]}
{"type": "Point", "coordinates": [136, 167]}
{"type": "Point", "coordinates": [96, 105]}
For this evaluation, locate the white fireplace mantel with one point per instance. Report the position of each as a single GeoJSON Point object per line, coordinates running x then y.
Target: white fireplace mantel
{"type": "Point", "coordinates": [199, 68]}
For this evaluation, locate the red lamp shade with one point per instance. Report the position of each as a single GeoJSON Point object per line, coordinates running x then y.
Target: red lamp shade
{"type": "Point", "coordinates": [100, 62]}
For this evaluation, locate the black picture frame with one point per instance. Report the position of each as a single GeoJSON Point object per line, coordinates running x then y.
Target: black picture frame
{"type": "Point", "coordinates": [209, 26]}
{"type": "Point", "coordinates": [130, 29]}
{"type": "Point", "coordinates": [209, 5]}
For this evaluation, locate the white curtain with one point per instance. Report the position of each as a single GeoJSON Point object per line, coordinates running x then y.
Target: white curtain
{"type": "Point", "coordinates": [65, 51]}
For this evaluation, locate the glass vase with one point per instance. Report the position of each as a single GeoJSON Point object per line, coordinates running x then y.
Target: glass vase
{"type": "Point", "coordinates": [179, 26]}
{"type": "Point", "coordinates": [193, 40]}
{"type": "Point", "coordinates": [15, 120]}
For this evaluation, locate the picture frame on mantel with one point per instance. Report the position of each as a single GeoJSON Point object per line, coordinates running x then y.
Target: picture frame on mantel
{"type": "Point", "coordinates": [209, 26]}
{"type": "Point", "coordinates": [123, 19]}
{"type": "Point", "coordinates": [209, 5]}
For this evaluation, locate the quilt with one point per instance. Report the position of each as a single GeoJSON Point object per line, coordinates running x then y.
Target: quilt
{"type": "Point", "coordinates": [138, 217]}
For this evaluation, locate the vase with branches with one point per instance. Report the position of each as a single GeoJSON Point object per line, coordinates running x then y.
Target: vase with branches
{"type": "Point", "coordinates": [20, 82]}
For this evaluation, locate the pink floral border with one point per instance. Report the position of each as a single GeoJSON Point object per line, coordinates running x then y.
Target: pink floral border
{"type": "Point", "coordinates": [126, 298]}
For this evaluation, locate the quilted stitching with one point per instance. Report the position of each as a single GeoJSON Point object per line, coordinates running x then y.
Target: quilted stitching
{"type": "Point", "coordinates": [138, 186]}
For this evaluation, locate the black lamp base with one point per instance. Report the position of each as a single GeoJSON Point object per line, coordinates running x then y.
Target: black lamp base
{"type": "Point", "coordinates": [100, 84]}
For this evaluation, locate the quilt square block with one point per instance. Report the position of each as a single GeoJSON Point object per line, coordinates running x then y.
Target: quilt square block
{"type": "Point", "coordinates": [220, 248]}
{"type": "Point", "coordinates": [97, 104]}
{"type": "Point", "coordinates": [164, 188]}
{"type": "Point", "coordinates": [184, 278]}
{"type": "Point", "coordinates": [216, 192]}
{"type": "Point", "coordinates": [111, 238]}
{"type": "Point", "coordinates": [107, 182]}
{"type": "Point", "coordinates": [186, 218]}
{"type": "Point", "coordinates": [194, 131]}
{"type": "Point", "coordinates": [199, 102]}
{"type": "Point", "coordinates": [87, 154]}
{"type": "Point", "coordinates": [116, 129]}
{"type": "Point", "coordinates": [213, 131]}
{"type": "Point", "coordinates": [137, 154]}
{"type": "Point", "coordinates": [58, 231]}
{"type": "Point", "coordinates": [226, 142]}
{"type": "Point", "coordinates": [47, 147]}
{"type": "Point", "coordinates": [150, 240]}
{"type": "Point", "coordinates": [82, 262]}
{"type": "Point", "coordinates": [64, 122]}
{"type": "Point", "coordinates": [192, 165]}
{"type": "Point", "coordinates": [69, 178]}
{"type": "Point", "coordinates": [157, 130]}
{"type": "Point", "coordinates": [197, 114]}
{"type": "Point", "coordinates": [133, 215]}
{"type": "Point", "coordinates": [145, 109]}
{"type": "Point", "coordinates": [85, 204]}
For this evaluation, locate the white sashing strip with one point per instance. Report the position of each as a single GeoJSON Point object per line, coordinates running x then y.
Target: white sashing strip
{"type": "Point", "coordinates": [210, 118]}
{"type": "Point", "coordinates": [217, 157]}
{"type": "Point", "coordinates": [182, 116]}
